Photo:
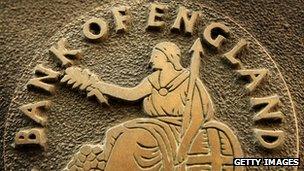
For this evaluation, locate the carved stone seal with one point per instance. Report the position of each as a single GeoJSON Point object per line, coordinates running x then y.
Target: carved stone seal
{"type": "Point", "coordinates": [170, 86]}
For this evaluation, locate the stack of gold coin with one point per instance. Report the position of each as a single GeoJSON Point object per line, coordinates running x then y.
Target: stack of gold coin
{"type": "Point", "coordinates": [89, 157]}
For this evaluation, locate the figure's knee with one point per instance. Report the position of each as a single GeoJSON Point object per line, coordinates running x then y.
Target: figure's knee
{"type": "Point", "coordinates": [129, 135]}
{"type": "Point", "coordinates": [115, 131]}
{"type": "Point", "coordinates": [128, 144]}
{"type": "Point", "coordinates": [142, 136]}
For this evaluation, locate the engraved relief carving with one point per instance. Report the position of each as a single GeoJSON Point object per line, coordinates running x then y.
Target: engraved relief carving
{"type": "Point", "coordinates": [65, 55]}
{"type": "Point", "coordinates": [89, 157]}
{"type": "Point", "coordinates": [33, 136]}
{"type": "Point", "coordinates": [122, 17]}
{"type": "Point", "coordinates": [181, 131]}
{"type": "Point", "coordinates": [34, 111]}
{"type": "Point", "coordinates": [217, 42]}
{"type": "Point", "coordinates": [42, 82]}
{"type": "Point", "coordinates": [96, 29]}
{"type": "Point", "coordinates": [185, 18]}
{"type": "Point", "coordinates": [266, 103]}
{"type": "Point", "coordinates": [256, 77]}
{"type": "Point", "coordinates": [85, 80]}
{"type": "Point", "coordinates": [268, 138]}
{"type": "Point", "coordinates": [266, 112]}
{"type": "Point", "coordinates": [232, 54]}
{"type": "Point", "coordinates": [156, 13]}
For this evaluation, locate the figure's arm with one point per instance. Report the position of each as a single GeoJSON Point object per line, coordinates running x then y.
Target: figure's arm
{"type": "Point", "coordinates": [85, 80]}
{"type": "Point", "coordinates": [130, 94]}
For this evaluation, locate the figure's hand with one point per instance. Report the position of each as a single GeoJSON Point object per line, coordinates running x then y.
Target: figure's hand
{"type": "Point", "coordinates": [96, 89]}
{"type": "Point", "coordinates": [84, 80]}
{"type": "Point", "coordinates": [101, 98]}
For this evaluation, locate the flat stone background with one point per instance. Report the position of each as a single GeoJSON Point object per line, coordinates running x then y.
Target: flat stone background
{"type": "Point", "coordinates": [277, 25]}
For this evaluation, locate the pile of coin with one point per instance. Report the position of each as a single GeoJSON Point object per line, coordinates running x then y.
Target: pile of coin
{"type": "Point", "coordinates": [89, 157]}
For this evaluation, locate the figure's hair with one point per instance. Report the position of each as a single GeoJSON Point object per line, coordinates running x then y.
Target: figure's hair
{"type": "Point", "coordinates": [172, 53]}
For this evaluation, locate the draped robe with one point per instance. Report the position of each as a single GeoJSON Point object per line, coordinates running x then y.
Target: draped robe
{"type": "Point", "coordinates": [152, 143]}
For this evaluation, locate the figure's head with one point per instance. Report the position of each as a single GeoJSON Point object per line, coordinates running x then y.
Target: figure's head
{"type": "Point", "coordinates": [164, 54]}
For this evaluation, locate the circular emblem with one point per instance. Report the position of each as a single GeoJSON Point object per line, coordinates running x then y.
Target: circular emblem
{"type": "Point", "coordinates": [163, 91]}
{"type": "Point", "coordinates": [170, 86]}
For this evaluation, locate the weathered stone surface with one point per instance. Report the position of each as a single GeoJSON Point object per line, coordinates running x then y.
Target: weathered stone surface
{"type": "Point", "coordinates": [27, 27]}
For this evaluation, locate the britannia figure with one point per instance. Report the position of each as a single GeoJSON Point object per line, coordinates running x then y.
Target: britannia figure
{"type": "Point", "coordinates": [179, 132]}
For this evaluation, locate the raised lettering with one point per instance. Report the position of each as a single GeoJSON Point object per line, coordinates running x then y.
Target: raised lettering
{"type": "Point", "coordinates": [155, 16]}
{"type": "Point", "coordinates": [34, 111]}
{"type": "Point", "coordinates": [232, 54]}
{"type": "Point", "coordinates": [209, 34]}
{"type": "Point", "coordinates": [63, 54]}
{"type": "Point", "coordinates": [96, 29]}
{"type": "Point", "coordinates": [33, 136]}
{"type": "Point", "coordinates": [265, 113]}
{"type": "Point", "coordinates": [122, 17]}
{"type": "Point", "coordinates": [40, 82]}
{"type": "Point", "coordinates": [268, 138]}
{"type": "Point", "coordinates": [256, 76]}
{"type": "Point", "coordinates": [185, 19]}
